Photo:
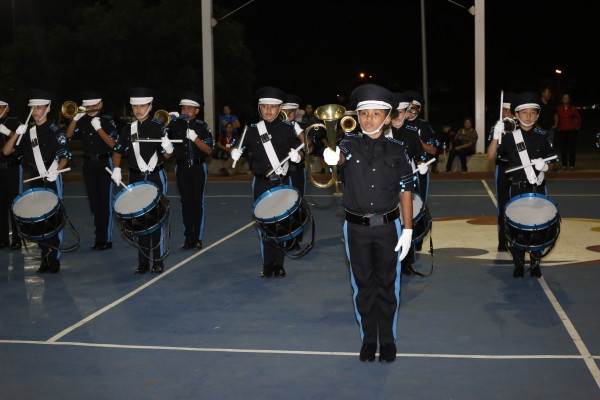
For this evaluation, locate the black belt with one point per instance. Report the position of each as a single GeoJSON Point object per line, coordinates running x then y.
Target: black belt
{"type": "Point", "coordinates": [373, 219]}
{"type": "Point", "coordinates": [295, 167]}
{"type": "Point", "coordinates": [273, 177]}
{"type": "Point", "coordinates": [139, 172]}
{"type": "Point", "coordinates": [195, 161]}
{"type": "Point", "coordinates": [8, 164]}
{"type": "Point", "coordinates": [524, 184]}
{"type": "Point", "coordinates": [96, 157]}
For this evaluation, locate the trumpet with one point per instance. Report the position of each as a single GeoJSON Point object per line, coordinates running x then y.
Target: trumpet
{"type": "Point", "coordinates": [70, 109]}
{"type": "Point", "coordinates": [348, 122]}
{"type": "Point", "coordinates": [166, 116]}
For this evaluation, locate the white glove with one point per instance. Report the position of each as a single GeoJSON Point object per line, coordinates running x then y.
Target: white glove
{"type": "Point", "coordinates": [21, 129]}
{"type": "Point", "coordinates": [191, 134]}
{"type": "Point", "coordinates": [174, 114]}
{"type": "Point", "coordinates": [404, 243]}
{"type": "Point", "coordinates": [294, 156]}
{"type": "Point", "coordinates": [539, 164]}
{"type": "Point", "coordinates": [422, 168]}
{"type": "Point", "coordinates": [80, 113]}
{"type": "Point", "coordinates": [498, 130]}
{"type": "Point", "coordinates": [96, 123]}
{"type": "Point", "coordinates": [166, 144]}
{"type": "Point", "coordinates": [51, 176]}
{"type": "Point", "coordinates": [236, 154]}
{"type": "Point", "coordinates": [331, 157]}
{"type": "Point", "coordinates": [4, 130]}
{"type": "Point", "coordinates": [116, 176]}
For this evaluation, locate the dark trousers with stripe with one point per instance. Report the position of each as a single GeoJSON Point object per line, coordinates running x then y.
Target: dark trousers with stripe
{"type": "Point", "coordinates": [50, 248]}
{"type": "Point", "coordinates": [191, 182]}
{"type": "Point", "coordinates": [271, 253]}
{"type": "Point", "coordinates": [99, 187]}
{"type": "Point", "coordinates": [11, 178]}
{"type": "Point", "coordinates": [502, 197]}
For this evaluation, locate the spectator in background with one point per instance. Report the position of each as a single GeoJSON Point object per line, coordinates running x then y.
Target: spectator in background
{"type": "Point", "coordinates": [463, 145]}
{"type": "Point", "coordinates": [569, 124]}
{"type": "Point", "coordinates": [226, 143]}
{"type": "Point", "coordinates": [228, 117]}
{"type": "Point", "coordinates": [309, 117]}
{"type": "Point", "coordinates": [446, 137]}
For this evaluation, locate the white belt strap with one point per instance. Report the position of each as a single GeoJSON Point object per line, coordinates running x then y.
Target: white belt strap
{"type": "Point", "coordinates": [525, 160]}
{"type": "Point", "coordinates": [37, 154]}
{"type": "Point", "coordinates": [136, 150]}
{"type": "Point", "coordinates": [266, 141]}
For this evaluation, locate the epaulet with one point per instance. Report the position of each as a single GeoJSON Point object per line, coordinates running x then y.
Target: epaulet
{"type": "Point", "coordinates": [540, 131]}
{"type": "Point", "coordinates": [54, 127]}
{"type": "Point", "coordinates": [412, 128]}
{"type": "Point", "coordinates": [353, 135]}
{"type": "Point", "coordinates": [287, 122]}
{"type": "Point", "coordinates": [253, 125]}
{"type": "Point", "coordinates": [391, 139]}
{"type": "Point", "coordinates": [157, 121]}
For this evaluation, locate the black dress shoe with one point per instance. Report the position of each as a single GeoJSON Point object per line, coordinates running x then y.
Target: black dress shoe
{"type": "Point", "coordinates": [102, 246]}
{"type": "Point", "coordinates": [16, 244]}
{"type": "Point", "coordinates": [187, 245]}
{"type": "Point", "coordinates": [518, 272]}
{"type": "Point", "coordinates": [387, 352]}
{"type": "Point", "coordinates": [198, 244]}
{"type": "Point", "coordinates": [278, 271]}
{"type": "Point", "coordinates": [54, 266]}
{"type": "Point", "coordinates": [44, 267]}
{"type": "Point", "coordinates": [142, 269]}
{"type": "Point", "coordinates": [502, 247]}
{"type": "Point", "coordinates": [535, 271]}
{"type": "Point", "coordinates": [158, 268]}
{"type": "Point", "coordinates": [367, 352]}
{"type": "Point", "coordinates": [267, 271]}
{"type": "Point", "coordinates": [407, 269]}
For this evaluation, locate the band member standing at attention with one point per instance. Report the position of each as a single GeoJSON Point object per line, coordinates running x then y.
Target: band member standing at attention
{"type": "Point", "coordinates": [524, 146]}
{"type": "Point", "coordinates": [11, 175]}
{"type": "Point", "coordinates": [500, 178]}
{"type": "Point", "coordinates": [98, 133]}
{"type": "Point", "coordinates": [145, 164]}
{"type": "Point", "coordinates": [377, 172]}
{"type": "Point", "coordinates": [45, 147]}
{"type": "Point", "coordinates": [190, 172]}
{"type": "Point", "coordinates": [269, 142]}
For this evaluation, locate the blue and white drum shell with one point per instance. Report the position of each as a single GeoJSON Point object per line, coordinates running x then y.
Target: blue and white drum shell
{"type": "Point", "coordinates": [37, 213]}
{"type": "Point", "coordinates": [141, 208]}
{"type": "Point", "coordinates": [280, 213]}
{"type": "Point", "coordinates": [532, 221]}
{"type": "Point", "coordinates": [421, 219]}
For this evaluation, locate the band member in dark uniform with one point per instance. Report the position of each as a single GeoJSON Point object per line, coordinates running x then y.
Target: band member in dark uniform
{"type": "Point", "coordinates": [526, 145]}
{"type": "Point", "coordinates": [98, 133]}
{"type": "Point", "coordinates": [377, 172]}
{"type": "Point", "coordinates": [45, 147]}
{"type": "Point", "coordinates": [11, 176]}
{"type": "Point", "coordinates": [500, 178]}
{"type": "Point", "coordinates": [145, 164]}
{"type": "Point", "coordinates": [269, 142]}
{"type": "Point", "coordinates": [191, 172]}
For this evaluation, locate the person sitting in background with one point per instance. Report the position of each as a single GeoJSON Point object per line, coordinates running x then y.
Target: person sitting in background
{"type": "Point", "coordinates": [226, 143]}
{"type": "Point", "coordinates": [463, 145]}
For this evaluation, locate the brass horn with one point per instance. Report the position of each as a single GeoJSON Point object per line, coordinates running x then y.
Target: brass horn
{"type": "Point", "coordinates": [510, 124]}
{"type": "Point", "coordinates": [348, 122]}
{"type": "Point", "coordinates": [164, 116]}
{"type": "Point", "coordinates": [70, 109]}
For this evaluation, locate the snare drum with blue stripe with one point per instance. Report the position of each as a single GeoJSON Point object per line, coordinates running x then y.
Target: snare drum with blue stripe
{"type": "Point", "coordinates": [281, 213]}
{"type": "Point", "coordinates": [532, 222]}
{"type": "Point", "coordinates": [141, 208]}
{"type": "Point", "coordinates": [39, 214]}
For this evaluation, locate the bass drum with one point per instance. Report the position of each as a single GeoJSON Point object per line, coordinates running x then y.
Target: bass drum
{"type": "Point", "coordinates": [421, 219]}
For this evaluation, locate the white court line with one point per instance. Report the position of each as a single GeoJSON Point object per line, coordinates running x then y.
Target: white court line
{"type": "Point", "coordinates": [144, 286]}
{"type": "Point", "coordinates": [585, 354]}
{"type": "Point", "coordinates": [490, 193]}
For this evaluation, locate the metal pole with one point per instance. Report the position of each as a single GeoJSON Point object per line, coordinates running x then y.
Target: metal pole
{"type": "Point", "coordinates": [480, 74]}
{"type": "Point", "coordinates": [424, 62]}
{"type": "Point", "coordinates": [208, 77]}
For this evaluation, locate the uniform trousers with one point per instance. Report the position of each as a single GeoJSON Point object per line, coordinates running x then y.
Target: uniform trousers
{"type": "Point", "coordinates": [191, 183]}
{"type": "Point", "coordinates": [99, 187]}
{"type": "Point", "coordinates": [11, 178]}
{"type": "Point", "coordinates": [517, 254]}
{"type": "Point", "coordinates": [298, 180]}
{"type": "Point", "coordinates": [375, 278]}
{"type": "Point", "coordinates": [272, 254]}
{"type": "Point", "coordinates": [502, 197]}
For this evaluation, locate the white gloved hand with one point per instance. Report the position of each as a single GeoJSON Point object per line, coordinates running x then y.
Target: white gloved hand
{"type": "Point", "coordinates": [236, 154]}
{"type": "Point", "coordinates": [4, 130]}
{"type": "Point", "coordinates": [191, 134]}
{"type": "Point", "coordinates": [166, 144]}
{"type": "Point", "coordinates": [294, 156]}
{"type": "Point", "coordinates": [80, 113]}
{"type": "Point", "coordinates": [21, 129]}
{"type": "Point", "coordinates": [331, 157]}
{"type": "Point", "coordinates": [404, 243]}
{"type": "Point", "coordinates": [96, 123]}
{"type": "Point", "coordinates": [116, 176]}
{"type": "Point", "coordinates": [539, 164]}
{"type": "Point", "coordinates": [498, 130]}
{"type": "Point", "coordinates": [51, 176]}
{"type": "Point", "coordinates": [174, 114]}
{"type": "Point", "coordinates": [422, 168]}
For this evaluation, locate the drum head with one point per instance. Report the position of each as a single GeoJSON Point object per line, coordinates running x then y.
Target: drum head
{"type": "Point", "coordinates": [531, 211]}
{"type": "Point", "coordinates": [142, 196]}
{"type": "Point", "coordinates": [35, 204]}
{"type": "Point", "coordinates": [417, 208]}
{"type": "Point", "coordinates": [276, 202]}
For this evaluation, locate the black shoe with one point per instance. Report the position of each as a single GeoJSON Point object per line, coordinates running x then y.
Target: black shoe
{"type": "Point", "coordinates": [43, 268]}
{"type": "Point", "coordinates": [3, 245]}
{"type": "Point", "coordinates": [267, 271]}
{"type": "Point", "coordinates": [279, 271]}
{"type": "Point", "coordinates": [502, 247]}
{"type": "Point", "coordinates": [54, 266]}
{"type": "Point", "coordinates": [15, 244]}
{"type": "Point", "coordinates": [407, 269]}
{"type": "Point", "coordinates": [518, 272]}
{"type": "Point", "coordinates": [535, 271]}
{"type": "Point", "coordinates": [158, 268]}
{"type": "Point", "coordinates": [367, 352]}
{"type": "Point", "coordinates": [187, 245]}
{"type": "Point", "coordinates": [142, 269]}
{"type": "Point", "coordinates": [387, 352]}
{"type": "Point", "coordinates": [102, 246]}
{"type": "Point", "coordinates": [198, 244]}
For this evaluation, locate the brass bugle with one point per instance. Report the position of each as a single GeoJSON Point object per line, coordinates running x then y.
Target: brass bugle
{"type": "Point", "coordinates": [348, 123]}
{"type": "Point", "coordinates": [166, 118]}
{"type": "Point", "coordinates": [70, 109]}
{"type": "Point", "coordinates": [510, 124]}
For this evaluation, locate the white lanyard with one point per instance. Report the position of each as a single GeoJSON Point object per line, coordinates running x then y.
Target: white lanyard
{"type": "Point", "coordinates": [525, 160]}
{"type": "Point", "coordinates": [262, 131]}
{"type": "Point", "coordinates": [136, 150]}
{"type": "Point", "coordinates": [37, 154]}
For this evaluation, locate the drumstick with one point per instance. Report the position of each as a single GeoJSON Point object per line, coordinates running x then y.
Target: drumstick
{"type": "Point", "coordinates": [148, 140]}
{"type": "Point", "coordinates": [501, 100]}
{"type": "Point", "coordinates": [284, 160]}
{"type": "Point", "coordinates": [60, 171]}
{"type": "Point", "coordinates": [240, 146]}
{"type": "Point", "coordinates": [528, 165]}
{"type": "Point", "coordinates": [427, 163]}
{"type": "Point", "coordinates": [26, 122]}
{"type": "Point", "coordinates": [124, 185]}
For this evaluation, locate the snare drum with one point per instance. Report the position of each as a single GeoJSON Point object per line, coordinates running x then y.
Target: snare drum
{"type": "Point", "coordinates": [532, 222]}
{"type": "Point", "coordinates": [281, 213]}
{"type": "Point", "coordinates": [421, 218]}
{"type": "Point", "coordinates": [39, 214]}
{"type": "Point", "coordinates": [141, 208]}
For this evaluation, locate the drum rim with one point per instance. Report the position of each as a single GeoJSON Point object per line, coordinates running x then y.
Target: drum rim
{"type": "Point", "coordinates": [143, 210]}
{"type": "Point", "coordinates": [41, 217]}
{"type": "Point", "coordinates": [531, 227]}
{"type": "Point", "coordinates": [283, 215]}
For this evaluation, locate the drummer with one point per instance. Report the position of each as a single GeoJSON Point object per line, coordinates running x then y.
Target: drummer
{"type": "Point", "coordinates": [527, 146]}
{"type": "Point", "coordinates": [145, 164]}
{"type": "Point", "coordinates": [270, 141]}
{"type": "Point", "coordinates": [45, 147]}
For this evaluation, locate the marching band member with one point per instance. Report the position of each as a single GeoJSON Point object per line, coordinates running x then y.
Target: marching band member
{"type": "Point", "coordinates": [145, 164]}
{"type": "Point", "coordinates": [270, 141]}
{"type": "Point", "coordinates": [191, 172]}
{"type": "Point", "coordinates": [526, 146]}
{"type": "Point", "coordinates": [45, 147]}
{"type": "Point", "coordinates": [98, 133]}
{"type": "Point", "coordinates": [377, 172]}
{"type": "Point", "coordinates": [11, 175]}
